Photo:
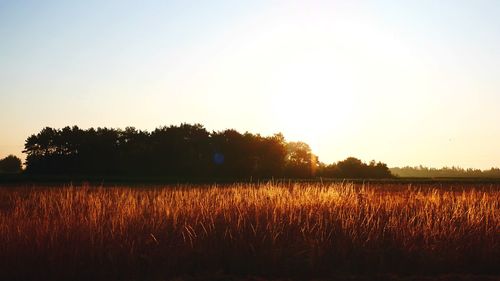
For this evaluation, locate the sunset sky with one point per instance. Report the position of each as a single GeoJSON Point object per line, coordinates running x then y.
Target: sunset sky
{"type": "Point", "coordinates": [403, 82]}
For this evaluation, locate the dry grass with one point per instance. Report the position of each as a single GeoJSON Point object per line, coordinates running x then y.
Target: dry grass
{"type": "Point", "coordinates": [289, 230]}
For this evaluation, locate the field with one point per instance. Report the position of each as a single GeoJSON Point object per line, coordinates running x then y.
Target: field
{"type": "Point", "coordinates": [271, 230]}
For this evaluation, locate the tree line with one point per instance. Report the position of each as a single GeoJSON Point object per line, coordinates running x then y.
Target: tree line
{"type": "Point", "coordinates": [185, 151]}
{"type": "Point", "coordinates": [445, 172]}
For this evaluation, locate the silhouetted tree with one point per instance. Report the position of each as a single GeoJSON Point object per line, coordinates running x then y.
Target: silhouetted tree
{"type": "Point", "coordinates": [355, 168]}
{"type": "Point", "coordinates": [185, 151]}
{"type": "Point", "coordinates": [232, 154]}
{"type": "Point", "coordinates": [11, 164]}
{"type": "Point", "coordinates": [301, 162]}
{"type": "Point", "coordinates": [271, 156]}
{"type": "Point", "coordinates": [351, 168]}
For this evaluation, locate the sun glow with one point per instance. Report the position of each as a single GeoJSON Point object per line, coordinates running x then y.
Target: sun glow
{"type": "Point", "coordinates": [315, 76]}
{"type": "Point", "coordinates": [401, 82]}
{"type": "Point", "coordinates": [303, 106]}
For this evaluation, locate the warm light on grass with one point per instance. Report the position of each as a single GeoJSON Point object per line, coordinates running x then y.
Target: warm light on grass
{"type": "Point", "coordinates": [266, 229]}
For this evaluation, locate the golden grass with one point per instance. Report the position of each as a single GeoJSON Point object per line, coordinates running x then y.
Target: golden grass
{"type": "Point", "coordinates": [268, 229]}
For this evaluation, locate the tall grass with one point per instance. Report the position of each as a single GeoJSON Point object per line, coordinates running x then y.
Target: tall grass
{"type": "Point", "coordinates": [267, 229]}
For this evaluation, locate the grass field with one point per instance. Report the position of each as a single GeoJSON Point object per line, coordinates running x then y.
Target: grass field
{"type": "Point", "coordinates": [273, 230]}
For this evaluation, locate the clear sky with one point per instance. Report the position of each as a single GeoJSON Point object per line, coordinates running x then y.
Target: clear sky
{"type": "Point", "coordinates": [403, 82]}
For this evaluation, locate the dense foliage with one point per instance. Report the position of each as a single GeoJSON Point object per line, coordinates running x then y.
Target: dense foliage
{"type": "Point", "coordinates": [355, 168]}
{"type": "Point", "coordinates": [10, 164]}
{"type": "Point", "coordinates": [185, 151]}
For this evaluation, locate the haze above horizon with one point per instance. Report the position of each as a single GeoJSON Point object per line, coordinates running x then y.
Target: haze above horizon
{"type": "Point", "coordinates": [403, 82]}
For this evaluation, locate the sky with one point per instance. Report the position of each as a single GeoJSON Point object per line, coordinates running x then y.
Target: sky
{"type": "Point", "coordinates": [402, 82]}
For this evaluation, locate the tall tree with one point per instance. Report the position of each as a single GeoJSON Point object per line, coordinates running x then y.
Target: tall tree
{"type": "Point", "coordinates": [301, 162]}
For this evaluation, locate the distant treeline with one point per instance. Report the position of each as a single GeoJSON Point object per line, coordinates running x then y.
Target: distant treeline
{"type": "Point", "coordinates": [446, 172]}
{"type": "Point", "coordinates": [185, 151]}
